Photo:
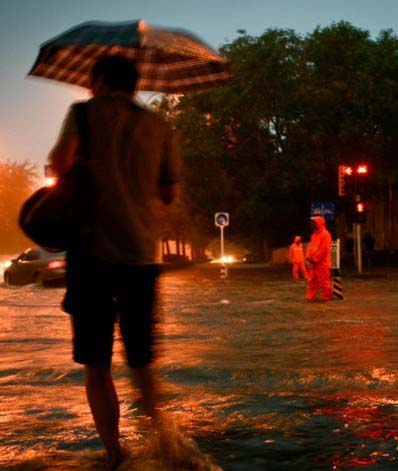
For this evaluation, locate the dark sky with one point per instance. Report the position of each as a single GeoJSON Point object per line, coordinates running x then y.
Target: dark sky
{"type": "Point", "coordinates": [31, 110]}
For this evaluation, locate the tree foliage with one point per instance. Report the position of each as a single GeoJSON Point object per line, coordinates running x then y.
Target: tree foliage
{"type": "Point", "coordinates": [17, 181]}
{"type": "Point", "coordinates": [268, 144]}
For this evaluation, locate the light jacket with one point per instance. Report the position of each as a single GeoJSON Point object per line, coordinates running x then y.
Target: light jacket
{"type": "Point", "coordinates": [319, 248]}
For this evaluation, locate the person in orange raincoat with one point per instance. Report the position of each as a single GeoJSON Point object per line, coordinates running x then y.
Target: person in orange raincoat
{"type": "Point", "coordinates": [297, 258]}
{"type": "Point", "coordinates": [319, 261]}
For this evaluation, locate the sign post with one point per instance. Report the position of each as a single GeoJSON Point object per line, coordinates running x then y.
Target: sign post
{"type": "Point", "coordinates": [221, 220]}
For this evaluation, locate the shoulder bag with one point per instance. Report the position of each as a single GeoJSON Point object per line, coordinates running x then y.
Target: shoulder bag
{"type": "Point", "coordinates": [60, 217]}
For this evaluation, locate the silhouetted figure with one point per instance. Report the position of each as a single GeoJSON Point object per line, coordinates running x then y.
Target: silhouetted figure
{"type": "Point", "coordinates": [132, 161]}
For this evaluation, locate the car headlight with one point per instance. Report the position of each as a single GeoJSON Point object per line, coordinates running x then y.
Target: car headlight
{"type": "Point", "coordinates": [7, 264]}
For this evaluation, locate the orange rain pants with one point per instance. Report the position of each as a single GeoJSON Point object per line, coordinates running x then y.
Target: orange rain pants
{"type": "Point", "coordinates": [299, 268]}
{"type": "Point", "coordinates": [318, 251]}
{"type": "Point", "coordinates": [319, 278]}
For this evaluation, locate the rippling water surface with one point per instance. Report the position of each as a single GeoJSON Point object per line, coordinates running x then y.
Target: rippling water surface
{"type": "Point", "coordinates": [258, 379]}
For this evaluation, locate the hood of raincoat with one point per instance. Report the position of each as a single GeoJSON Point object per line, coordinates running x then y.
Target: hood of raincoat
{"type": "Point", "coordinates": [319, 222]}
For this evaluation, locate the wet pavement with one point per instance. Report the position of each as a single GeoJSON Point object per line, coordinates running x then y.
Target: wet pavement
{"type": "Point", "coordinates": [260, 379]}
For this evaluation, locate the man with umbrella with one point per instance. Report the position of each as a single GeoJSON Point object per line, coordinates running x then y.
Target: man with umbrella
{"type": "Point", "coordinates": [132, 159]}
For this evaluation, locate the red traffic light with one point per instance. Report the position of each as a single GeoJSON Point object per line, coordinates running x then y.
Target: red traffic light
{"type": "Point", "coordinates": [362, 169]}
{"type": "Point", "coordinates": [360, 207]}
{"type": "Point", "coordinates": [360, 211]}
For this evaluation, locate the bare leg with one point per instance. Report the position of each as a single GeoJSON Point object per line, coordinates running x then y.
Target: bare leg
{"type": "Point", "coordinates": [149, 388]}
{"type": "Point", "coordinates": [104, 405]}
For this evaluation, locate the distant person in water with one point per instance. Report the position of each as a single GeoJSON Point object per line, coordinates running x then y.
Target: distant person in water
{"type": "Point", "coordinates": [133, 162]}
{"type": "Point", "coordinates": [297, 259]}
{"type": "Point", "coordinates": [319, 260]}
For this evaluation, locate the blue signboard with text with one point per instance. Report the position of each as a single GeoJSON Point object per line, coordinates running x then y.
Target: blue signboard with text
{"type": "Point", "coordinates": [323, 208]}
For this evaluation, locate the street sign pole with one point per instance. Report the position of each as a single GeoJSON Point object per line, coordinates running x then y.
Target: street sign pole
{"type": "Point", "coordinates": [223, 267]}
{"type": "Point", "coordinates": [222, 241]}
{"type": "Point", "coordinates": [221, 220]}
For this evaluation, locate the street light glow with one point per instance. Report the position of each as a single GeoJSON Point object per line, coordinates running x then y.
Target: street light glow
{"type": "Point", "coordinates": [50, 181]}
{"type": "Point", "coordinates": [225, 259]}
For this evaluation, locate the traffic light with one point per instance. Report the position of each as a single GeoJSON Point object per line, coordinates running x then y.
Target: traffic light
{"type": "Point", "coordinates": [360, 210]}
{"type": "Point", "coordinates": [346, 180]}
{"type": "Point", "coordinates": [362, 173]}
{"type": "Point", "coordinates": [353, 180]}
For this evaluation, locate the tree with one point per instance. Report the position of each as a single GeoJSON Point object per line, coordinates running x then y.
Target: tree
{"type": "Point", "coordinates": [17, 181]}
{"type": "Point", "coordinates": [266, 146]}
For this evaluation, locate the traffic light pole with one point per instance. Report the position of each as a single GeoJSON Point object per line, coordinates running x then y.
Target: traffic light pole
{"type": "Point", "coordinates": [359, 248]}
{"type": "Point", "coordinates": [352, 183]}
{"type": "Point", "coordinates": [358, 245]}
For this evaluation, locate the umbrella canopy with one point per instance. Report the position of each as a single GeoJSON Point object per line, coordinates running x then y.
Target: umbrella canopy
{"type": "Point", "coordinates": [168, 60]}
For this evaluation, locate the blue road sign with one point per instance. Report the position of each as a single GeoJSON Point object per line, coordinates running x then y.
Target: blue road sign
{"type": "Point", "coordinates": [323, 208]}
{"type": "Point", "coordinates": [221, 219]}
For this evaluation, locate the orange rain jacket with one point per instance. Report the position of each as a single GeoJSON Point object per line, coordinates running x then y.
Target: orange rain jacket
{"type": "Point", "coordinates": [319, 248]}
{"type": "Point", "coordinates": [297, 251]}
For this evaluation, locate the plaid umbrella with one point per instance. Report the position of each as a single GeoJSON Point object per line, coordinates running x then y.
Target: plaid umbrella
{"type": "Point", "coordinates": [170, 61]}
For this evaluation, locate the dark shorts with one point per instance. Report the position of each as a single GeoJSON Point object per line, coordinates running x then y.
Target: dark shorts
{"type": "Point", "coordinates": [100, 293]}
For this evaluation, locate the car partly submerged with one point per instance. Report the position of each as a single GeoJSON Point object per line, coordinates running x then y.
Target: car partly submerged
{"type": "Point", "coordinates": [35, 265]}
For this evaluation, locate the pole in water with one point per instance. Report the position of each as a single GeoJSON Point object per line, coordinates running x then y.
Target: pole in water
{"type": "Point", "coordinates": [337, 286]}
{"type": "Point", "coordinates": [223, 271]}
{"type": "Point", "coordinates": [222, 241]}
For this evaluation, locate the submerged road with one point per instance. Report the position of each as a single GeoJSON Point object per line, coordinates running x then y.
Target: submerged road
{"type": "Point", "coordinates": [260, 379]}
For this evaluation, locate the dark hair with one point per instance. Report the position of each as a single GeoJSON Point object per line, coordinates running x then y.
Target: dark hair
{"type": "Point", "coordinates": [119, 73]}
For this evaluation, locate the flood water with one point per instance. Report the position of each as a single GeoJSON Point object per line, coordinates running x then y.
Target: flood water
{"type": "Point", "coordinates": [259, 379]}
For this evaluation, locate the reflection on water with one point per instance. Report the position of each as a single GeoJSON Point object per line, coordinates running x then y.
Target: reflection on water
{"type": "Point", "coordinates": [257, 377]}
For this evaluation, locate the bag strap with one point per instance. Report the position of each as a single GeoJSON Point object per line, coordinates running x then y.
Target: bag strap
{"type": "Point", "coordinates": [81, 115]}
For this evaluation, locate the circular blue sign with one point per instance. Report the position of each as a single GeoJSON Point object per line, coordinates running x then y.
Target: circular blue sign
{"type": "Point", "coordinates": [222, 219]}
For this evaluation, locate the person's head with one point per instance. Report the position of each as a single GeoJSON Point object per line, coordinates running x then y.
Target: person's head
{"type": "Point", "coordinates": [297, 240]}
{"type": "Point", "coordinates": [317, 223]}
{"type": "Point", "coordinates": [113, 73]}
